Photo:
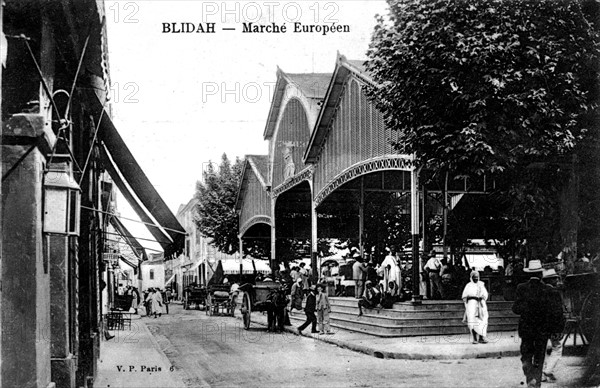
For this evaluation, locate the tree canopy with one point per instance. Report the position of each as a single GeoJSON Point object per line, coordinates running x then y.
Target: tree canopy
{"type": "Point", "coordinates": [216, 196]}
{"type": "Point", "coordinates": [477, 87]}
{"type": "Point", "coordinates": [505, 89]}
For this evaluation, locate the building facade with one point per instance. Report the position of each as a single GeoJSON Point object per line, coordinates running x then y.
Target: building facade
{"type": "Point", "coordinates": [153, 273]}
{"type": "Point", "coordinates": [198, 261]}
{"type": "Point", "coordinates": [58, 142]}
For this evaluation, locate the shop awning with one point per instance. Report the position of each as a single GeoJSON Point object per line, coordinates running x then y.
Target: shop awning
{"type": "Point", "coordinates": [168, 282]}
{"type": "Point", "coordinates": [135, 186]}
{"type": "Point", "coordinates": [133, 243]}
{"type": "Point", "coordinates": [129, 263]}
{"type": "Point", "coordinates": [193, 267]}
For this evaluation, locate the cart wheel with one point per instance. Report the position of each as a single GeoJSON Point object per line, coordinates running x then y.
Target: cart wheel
{"type": "Point", "coordinates": [209, 305]}
{"type": "Point", "coordinates": [246, 310]}
{"type": "Point", "coordinates": [590, 314]}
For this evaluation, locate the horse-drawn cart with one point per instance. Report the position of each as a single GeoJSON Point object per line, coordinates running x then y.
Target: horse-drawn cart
{"type": "Point", "coordinates": [267, 297]}
{"type": "Point", "coordinates": [193, 294]}
{"type": "Point", "coordinates": [218, 300]}
{"type": "Point", "coordinates": [582, 300]}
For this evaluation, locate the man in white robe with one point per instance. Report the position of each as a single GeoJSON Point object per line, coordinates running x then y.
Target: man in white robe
{"type": "Point", "coordinates": [390, 270]}
{"type": "Point", "coordinates": [476, 313]}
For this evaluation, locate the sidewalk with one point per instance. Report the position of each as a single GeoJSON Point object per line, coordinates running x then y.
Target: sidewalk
{"type": "Point", "coordinates": [448, 347]}
{"type": "Point", "coordinates": [133, 359]}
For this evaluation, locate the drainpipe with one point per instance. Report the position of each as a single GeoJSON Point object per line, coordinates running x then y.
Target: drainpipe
{"type": "Point", "coordinates": [2, 41]}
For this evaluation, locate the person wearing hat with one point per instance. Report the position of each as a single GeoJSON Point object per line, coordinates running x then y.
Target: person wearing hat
{"type": "Point", "coordinates": [552, 280]}
{"type": "Point", "coordinates": [323, 310]}
{"type": "Point", "coordinates": [309, 310]}
{"type": "Point", "coordinates": [533, 305]}
{"type": "Point", "coordinates": [359, 273]}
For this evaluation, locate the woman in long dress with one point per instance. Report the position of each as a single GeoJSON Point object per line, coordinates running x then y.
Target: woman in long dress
{"type": "Point", "coordinates": [476, 313]}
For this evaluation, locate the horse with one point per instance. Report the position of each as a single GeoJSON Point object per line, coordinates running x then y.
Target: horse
{"type": "Point", "coordinates": [277, 302]}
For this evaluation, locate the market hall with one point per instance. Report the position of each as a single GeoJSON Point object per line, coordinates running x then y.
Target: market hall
{"type": "Point", "coordinates": [331, 166]}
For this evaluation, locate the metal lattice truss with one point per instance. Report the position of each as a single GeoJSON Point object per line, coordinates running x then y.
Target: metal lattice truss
{"type": "Point", "coordinates": [389, 162]}
{"type": "Point", "coordinates": [304, 175]}
{"type": "Point", "coordinates": [253, 221]}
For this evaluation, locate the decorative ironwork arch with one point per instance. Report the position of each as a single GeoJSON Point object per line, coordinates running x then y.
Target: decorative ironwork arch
{"type": "Point", "coordinates": [304, 175]}
{"type": "Point", "coordinates": [253, 221]}
{"type": "Point", "coordinates": [389, 162]}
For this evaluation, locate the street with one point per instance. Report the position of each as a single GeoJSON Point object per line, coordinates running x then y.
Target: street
{"type": "Point", "coordinates": [216, 351]}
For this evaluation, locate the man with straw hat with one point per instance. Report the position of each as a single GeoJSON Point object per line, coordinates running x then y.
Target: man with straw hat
{"type": "Point", "coordinates": [533, 304]}
{"type": "Point", "coordinates": [552, 280]}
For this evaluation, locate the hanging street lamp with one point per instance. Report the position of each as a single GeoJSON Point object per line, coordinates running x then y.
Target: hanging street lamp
{"type": "Point", "coordinates": [62, 197]}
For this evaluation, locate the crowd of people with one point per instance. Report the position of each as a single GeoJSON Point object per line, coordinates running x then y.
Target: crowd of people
{"type": "Point", "coordinates": [151, 303]}
{"type": "Point", "coordinates": [537, 300]}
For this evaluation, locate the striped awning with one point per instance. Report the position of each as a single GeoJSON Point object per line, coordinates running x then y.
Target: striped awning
{"type": "Point", "coordinates": [249, 266]}
{"type": "Point", "coordinates": [135, 186]}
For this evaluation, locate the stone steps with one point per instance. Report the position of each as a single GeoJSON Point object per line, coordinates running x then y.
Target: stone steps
{"type": "Point", "coordinates": [426, 305]}
{"type": "Point", "coordinates": [405, 319]}
{"type": "Point", "coordinates": [369, 317]}
{"type": "Point", "coordinates": [416, 314]}
{"type": "Point", "coordinates": [361, 326]}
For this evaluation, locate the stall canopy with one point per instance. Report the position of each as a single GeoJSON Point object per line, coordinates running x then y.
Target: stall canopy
{"type": "Point", "coordinates": [133, 243]}
{"type": "Point", "coordinates": [135, 186]}
{"type": "Point", "coordinates": [481, 260]}
{"type": "Point", "coordinates": [249, 266]}
{"type": "Point", "coordinates": [232, 267]}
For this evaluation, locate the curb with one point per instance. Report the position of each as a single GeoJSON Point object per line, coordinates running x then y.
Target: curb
{"type": "Point", "coordinates": [385, 354]}
{"type": "Point", "coordinates": [155, 344]}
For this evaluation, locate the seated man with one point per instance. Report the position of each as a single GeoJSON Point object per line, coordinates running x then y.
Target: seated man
{"type": "Point", "coordinates": [390, 296]}
{"type": "Point", "coordinates": [371, 297]}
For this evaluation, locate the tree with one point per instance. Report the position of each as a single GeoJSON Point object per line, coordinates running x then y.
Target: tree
{"type": "Point", "coordinates": [481, 86]}
{"type": "Point", "coordinates": [492, 87]}
{"type": "Point", "coordinates": [216, 215]}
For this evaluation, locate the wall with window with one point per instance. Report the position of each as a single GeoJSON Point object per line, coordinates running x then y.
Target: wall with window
{"type": "Point", "coordinates": [153, 275]}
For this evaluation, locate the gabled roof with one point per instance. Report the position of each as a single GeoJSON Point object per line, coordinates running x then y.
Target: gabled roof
{"type": "Point", "coordinates": [259, 164]}
{"type": "Point", "coordinates": [359, 66]}
{"type": "Point", "coordinates": [311, 85]}
{"type": "Point", "coordinates": [343, 69]}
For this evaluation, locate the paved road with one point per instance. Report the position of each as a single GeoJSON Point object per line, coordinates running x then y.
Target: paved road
{"type": "Point", "coordinates": [216, 351]}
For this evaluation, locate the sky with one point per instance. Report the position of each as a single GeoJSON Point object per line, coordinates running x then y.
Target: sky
{"type": "Point", "coordinates": [181, 100]}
